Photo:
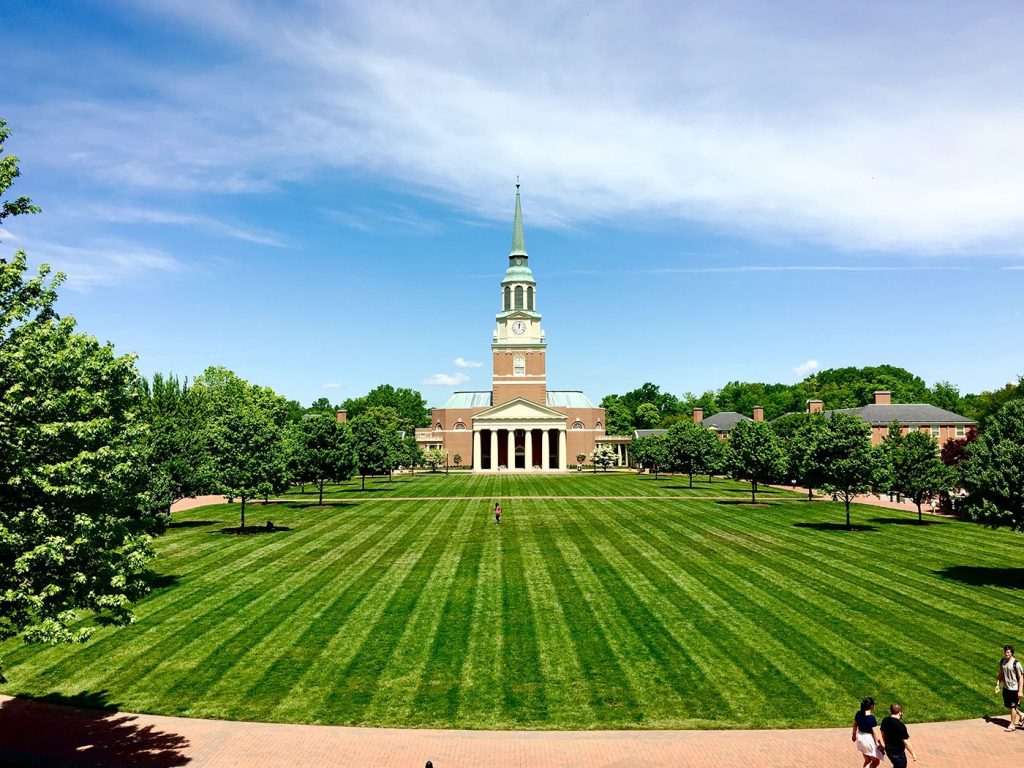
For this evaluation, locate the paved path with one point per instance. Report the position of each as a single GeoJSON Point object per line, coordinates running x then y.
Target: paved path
{"type": "Point", "coordinates": [38, 734]}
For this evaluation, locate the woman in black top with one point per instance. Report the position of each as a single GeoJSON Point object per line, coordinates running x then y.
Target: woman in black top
{"type": "Point", "coordinates": [866, 734]}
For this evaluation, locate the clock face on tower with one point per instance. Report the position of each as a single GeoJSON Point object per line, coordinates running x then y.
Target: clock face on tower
{"type": "Point", "coordinates": [518, 327]}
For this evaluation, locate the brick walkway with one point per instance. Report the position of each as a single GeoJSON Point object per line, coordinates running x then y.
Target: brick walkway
{"type": "Point", "coordinates": [38, 734]}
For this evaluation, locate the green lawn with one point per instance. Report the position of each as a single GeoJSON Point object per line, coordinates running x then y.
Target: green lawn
{"type": "Point", "coordinates": [691, 610]}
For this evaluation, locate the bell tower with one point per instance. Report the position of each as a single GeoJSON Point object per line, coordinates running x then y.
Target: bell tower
{"type": "Point", "coordinates": [518, 345]}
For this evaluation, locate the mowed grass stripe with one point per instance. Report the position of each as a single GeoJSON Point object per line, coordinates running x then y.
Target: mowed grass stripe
{"type": "Point", "coordinates": [353, 690]}
{"type": "Point", "coordinates": [830, 628]}
{"type": "Point", "coordinates": [395, 692]}
{"type": "Point", "coordinates": [707, 612]}
{"type": "Point", "coordinates": [732, 613]}
{"type": "Point", "coordinates": [609, 696]}
{"type": "Point", "coordinates": [436, 700]}
{"type": "Point", "coordinates": [888, 576]}
{"type": "Point", "coordinates": [523, 686]}
{"type": "Point", "coordinates": [655, 659]}
{"type": "Point", "coordinates": [648, 575]}
{"type": "Point", "coordinates": [304, 669]}
{"type": "Point", "coordinates": [238, 659]}
{"type": "Point", "coordinates": [480, 699]}
{"type": "Point", "coordinates": [567, 691]}
{"type": "Point", "coordinates": [146, 643]}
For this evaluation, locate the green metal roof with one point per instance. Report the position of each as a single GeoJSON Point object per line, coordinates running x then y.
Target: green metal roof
{"type": "Point", "coordinates": [468, 400]}
{"type": "Point", "coordinates": [569, 399]}
{"type": "Point", "coordinates": [518, 242]}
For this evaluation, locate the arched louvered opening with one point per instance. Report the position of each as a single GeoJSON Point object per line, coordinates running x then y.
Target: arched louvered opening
{"type": "Point", "coordinates": [508, 298]}
{"type": "Point", "coordinates": [529, 298]}
{"type": "Point", "coordinates": [519, 297]}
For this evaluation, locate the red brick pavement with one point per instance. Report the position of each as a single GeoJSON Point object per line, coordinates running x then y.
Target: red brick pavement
{"type": "Point", "coordinates": [41, 734]}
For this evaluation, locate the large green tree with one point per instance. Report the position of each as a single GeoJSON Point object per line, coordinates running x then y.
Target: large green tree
{"type": "Point", "coordinates": [649, 453]}
{"type": "Point", "coordinates": [322, 450]}
{"type": "Point", "coordinates": [993, 472]}
{"type": "Point", "coordinates": [407, 403]}
{"type": "Point", "coordinates": [913, 467]}
{"type": "Point", "coordinates": [77, 507]}
{"type": "Point", "coordinates": [179, 457]}
{"type": "Point", "coordinates": [245, 433]}
{"type": "Point", "coordinates": [378, 441]}
{"type": "Point", "coordinates": [755, 454]}
{"type": "Point", "coordinates": [692, 449]}
{"type": "Point", "coordinates": [841, 459]}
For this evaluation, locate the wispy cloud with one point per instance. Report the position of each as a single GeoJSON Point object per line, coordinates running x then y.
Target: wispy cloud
{"type": "Point", "coordinates": [446, 380]}
{"type": "Point", "coordinates": [397, 217]}
{"type": "Point", "coordinates": [332, 386]}
{"type": "Point", "coordinates": [106, 263]}
{"type": "Point", "coordinates": [461, 362]}
{"type": "Point", "coordinates": [902, 136]}
{"type": "Point", "coordinates": [137, 215]}
{"type": "Point", "coordinates": [806, 368]}
{"type": "Point", "coordinates": [1015, 267]}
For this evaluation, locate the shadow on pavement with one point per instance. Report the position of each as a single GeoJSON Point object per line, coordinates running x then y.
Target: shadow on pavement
{"type": "Point", "coordinates": [82, 731]}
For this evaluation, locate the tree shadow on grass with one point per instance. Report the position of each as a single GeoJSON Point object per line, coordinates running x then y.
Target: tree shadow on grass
{"type": "Point", "coordinates": [855, 528]}
{"type": "Point", "coordinates": [192, 523]}
{"type": "Point", "coordinates": [907, 521]}
{"type": "Point", "coordinates": [161, 580]}
{"type": "Point", "coordinates": [254, 529]}
{"type": "Point", "coordinates": [984, 576]}
{"type": "Point", "coordinates": [83, 730]}
{"type": "Point", "coordinates": [741, 503]}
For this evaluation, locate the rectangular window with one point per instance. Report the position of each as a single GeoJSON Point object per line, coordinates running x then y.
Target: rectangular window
{"type": "Point", "coordinates": [935, 432]}
{"type": "Point", "coordinates": [961, 431]}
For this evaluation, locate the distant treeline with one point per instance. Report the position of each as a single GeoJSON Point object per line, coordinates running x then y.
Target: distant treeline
{"type": "Point", "coordinates": [648, 407]}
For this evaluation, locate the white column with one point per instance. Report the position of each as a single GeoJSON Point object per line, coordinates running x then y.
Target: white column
{"type": "Point", "coordinates": [476, 450]}
{"type": "Point", "coordinates": [561, 449]}
{"type": "Point", "coordinates": [511, 449]}
{"type": "Point", "coordinates": [625, 451]}
{"type": "Point", "coordinates": [528, 453]}
{"type": "Point", "coordinates": [494, 449]}
{"type": "Point", "coordinates": [545, 449]}
{"type": "Point", "coordinates": [622, 453]}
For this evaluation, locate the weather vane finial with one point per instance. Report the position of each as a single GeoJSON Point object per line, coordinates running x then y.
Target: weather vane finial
{"type": "Point", "coordinates": [517, 181]}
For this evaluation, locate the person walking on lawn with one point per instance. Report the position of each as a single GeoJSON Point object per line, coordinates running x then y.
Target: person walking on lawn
{"type": "Point", "coordinates": [1011, 675]}
{"type": "Point", "coordinates": [497, 513]}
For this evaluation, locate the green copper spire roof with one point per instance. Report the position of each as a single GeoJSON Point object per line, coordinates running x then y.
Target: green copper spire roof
{"type": "Point", "coordinates": [518, 243]}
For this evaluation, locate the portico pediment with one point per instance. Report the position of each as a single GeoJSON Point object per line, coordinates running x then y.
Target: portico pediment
{"type": "Point", "coordinates": [518, 410]}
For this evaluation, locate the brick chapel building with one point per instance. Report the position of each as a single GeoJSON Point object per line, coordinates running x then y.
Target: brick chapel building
{"type": "Point", "coordinates": [519, 424]}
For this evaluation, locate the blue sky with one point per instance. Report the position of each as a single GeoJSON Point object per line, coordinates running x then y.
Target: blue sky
{"type": "Point", "coordinates": [319, 195]}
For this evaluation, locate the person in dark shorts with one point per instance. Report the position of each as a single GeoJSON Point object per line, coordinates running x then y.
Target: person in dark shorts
{"type": "Point", "coordinates": [497, 513]}
{"type": "Point", "coordinates": [1011, 677]}
{"type": "Point", "coordinates": [895, 738]}
{"type": "Point", "coordinates": [866, 734]}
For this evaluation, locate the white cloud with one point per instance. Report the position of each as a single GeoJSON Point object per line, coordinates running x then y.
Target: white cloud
{"type": "Point", "coordinates": [139, 215]}
{"type": "Point", "coordinates": [105, 263]}
{"type": "Point", "coordinates": [830, 124]}
{"type": "Point", "coordinates": [332, 386]}
{"type": "Point", "coordinates": [446, 380]}
{"type": "Point", "coordinates": [461, 362]}
{"type": "Point", "coordinates": [806, 368]}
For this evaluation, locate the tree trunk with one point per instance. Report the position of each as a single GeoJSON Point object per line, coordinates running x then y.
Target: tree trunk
{"type": "Point", "coordinates": [321, 502]}
{"type": "Point", "coordinates": [919, 518]}
{"type": "Point", "coordinates": [243, 514]}
{"type": "Point", "coordinates": [810, 494]}
{"type": "Point", "coordinates": [691, 474]}
{"type": "Point", "coordinates": [363, 477]}
{"type": "Point", "coordinates": [753, 491]}
{"type": "Point", "coordinates": [848, 526]}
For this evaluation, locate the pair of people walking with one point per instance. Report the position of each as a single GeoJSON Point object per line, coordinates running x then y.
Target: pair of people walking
{"type": "Point", "coordinates": [497, 513]}
{"type": "Point", "coordinates": [890, 739]}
